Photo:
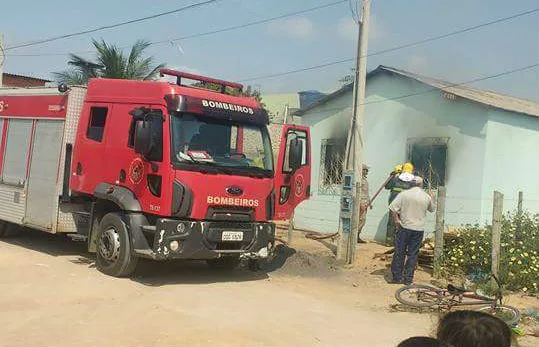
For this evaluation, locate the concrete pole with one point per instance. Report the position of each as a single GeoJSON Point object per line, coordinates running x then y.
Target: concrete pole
{"type": "Point", "coordinates": [2, 59]}
{"type": "Point", "coordinates": [354, 148]}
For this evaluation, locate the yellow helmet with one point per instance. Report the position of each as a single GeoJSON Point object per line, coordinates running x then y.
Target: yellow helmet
{"type": "Point", "coordinates": [398, 169]}
{"type": "Point", "coordinates": [408, 167]}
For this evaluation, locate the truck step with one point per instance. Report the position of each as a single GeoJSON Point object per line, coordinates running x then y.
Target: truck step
{"type": "Point", "coordinates": [149, 228]}
{"type": "Point", "coordinates": [146, 253]}
{"type": "Point", "coordinates": [78, 237]}
{"type": "Point", "coordinates": [81, 213]}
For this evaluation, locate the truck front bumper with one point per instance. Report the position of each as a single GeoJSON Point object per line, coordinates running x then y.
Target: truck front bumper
{"type": "Point", "coordinates": [183, 239]}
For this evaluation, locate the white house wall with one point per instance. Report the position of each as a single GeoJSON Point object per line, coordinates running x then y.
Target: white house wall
{"type": "Point", "coordinates": [389, 124]}
{"type": "Point", "coordinates": [511, 161]}
{"type": "Point", "coordinates": [321, 212]}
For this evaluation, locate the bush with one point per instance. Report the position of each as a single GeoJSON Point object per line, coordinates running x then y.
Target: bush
{"type": "Point", "coordinates": [469, 254]}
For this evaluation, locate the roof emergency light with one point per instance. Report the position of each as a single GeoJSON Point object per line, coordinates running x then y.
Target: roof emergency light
{"type": "Point", "coordinates": [179, 75]}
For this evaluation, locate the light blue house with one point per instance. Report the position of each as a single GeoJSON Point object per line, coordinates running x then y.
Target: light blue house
{"type": "Point", "coordinates": [472, 141]}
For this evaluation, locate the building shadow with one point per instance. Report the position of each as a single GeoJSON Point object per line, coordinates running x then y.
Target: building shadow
{"type": "Point", "coordinates": [381, 231]}
{"type": "Point", "coordinates": [163, 273]}
{"type": "Point", "coordinates": [150, 273]}
{"type": "Point", "coordinates": [55, 245]}
{"type": "Point", "coordinates": [156, 274]}
{"type": "Point", "coordinates": [385, 273]}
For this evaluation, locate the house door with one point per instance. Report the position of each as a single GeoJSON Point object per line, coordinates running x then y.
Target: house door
{"type": "Point", "coordinates": [43, 177]}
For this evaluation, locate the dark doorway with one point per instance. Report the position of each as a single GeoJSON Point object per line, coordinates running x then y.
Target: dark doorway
{"type": "Point", "coordinates": [429, 158]}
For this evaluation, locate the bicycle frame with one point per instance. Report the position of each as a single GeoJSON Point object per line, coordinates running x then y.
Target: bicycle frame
{"type": "Point", "coordinates": [450, 299]}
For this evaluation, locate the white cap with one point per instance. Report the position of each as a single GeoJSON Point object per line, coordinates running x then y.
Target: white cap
{"type": "Point", "coordinates": [406, 177]}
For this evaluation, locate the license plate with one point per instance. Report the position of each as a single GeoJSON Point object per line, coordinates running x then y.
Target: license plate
{"type": "Point", "coordinates": [232, 236]}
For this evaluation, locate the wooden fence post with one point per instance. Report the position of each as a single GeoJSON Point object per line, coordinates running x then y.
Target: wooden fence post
{"type": "Point", "coordinates": [439, 232]}
{"type": "Point", "coordinates": [518, 232]}
{"type": "Point", "coordinates": [497, 213]}
{"type": "Point", "coordinates": [520, 198]}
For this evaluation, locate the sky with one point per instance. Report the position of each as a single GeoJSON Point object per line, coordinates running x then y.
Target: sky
{"type": "Point", "coordinates": [292, 43]}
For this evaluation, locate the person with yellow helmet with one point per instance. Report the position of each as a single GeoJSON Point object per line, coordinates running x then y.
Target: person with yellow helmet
{"type": "Point", "coordinates": [401, 179]}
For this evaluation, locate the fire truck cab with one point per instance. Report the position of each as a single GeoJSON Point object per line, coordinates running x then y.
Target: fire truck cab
{"type": "Point", "coordinates": [149, 169]}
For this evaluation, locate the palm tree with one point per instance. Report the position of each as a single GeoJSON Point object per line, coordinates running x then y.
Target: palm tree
{"type": "Point", "coordinates": [110, 63]}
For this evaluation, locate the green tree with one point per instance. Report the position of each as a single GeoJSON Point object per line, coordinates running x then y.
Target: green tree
{"type": "Point", "coordinates": [110, 62]}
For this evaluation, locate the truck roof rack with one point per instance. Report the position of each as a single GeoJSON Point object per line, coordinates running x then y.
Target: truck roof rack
{"type": "Point", "coordinates": [179, 75]}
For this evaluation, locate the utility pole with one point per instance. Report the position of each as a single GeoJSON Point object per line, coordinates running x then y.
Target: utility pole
{"type": "Point", "coordinates": [285, 118]}
{"type": "Point", "coordinates": [2, 59]}
{"type": "Point", "coordinates": [291, 220]}
{"type": "Point", "coordinates": [346, 249]}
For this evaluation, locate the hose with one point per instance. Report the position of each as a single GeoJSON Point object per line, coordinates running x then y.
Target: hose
{"type": "Point", "coordinates": [319, 236]}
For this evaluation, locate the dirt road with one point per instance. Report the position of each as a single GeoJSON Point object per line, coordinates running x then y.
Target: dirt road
{"type": "Point", "coordinates": [52, 295]}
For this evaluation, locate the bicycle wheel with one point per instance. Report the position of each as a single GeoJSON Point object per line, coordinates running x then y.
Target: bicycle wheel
{"type": "Point", "coordinates": [508, 314]}
{"type": "Point", "coordinates": [418, 295]}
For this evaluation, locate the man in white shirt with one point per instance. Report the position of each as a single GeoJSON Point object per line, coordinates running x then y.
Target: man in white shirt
{"type": "Point", "coordinates": [408, 211]}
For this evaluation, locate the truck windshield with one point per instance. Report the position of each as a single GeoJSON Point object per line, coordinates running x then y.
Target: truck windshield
{"type": "Point", "coordinates": [199, 140]}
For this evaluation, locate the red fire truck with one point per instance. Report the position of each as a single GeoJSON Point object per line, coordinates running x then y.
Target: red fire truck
{"type": "Point", "coordinates": [149, 169]}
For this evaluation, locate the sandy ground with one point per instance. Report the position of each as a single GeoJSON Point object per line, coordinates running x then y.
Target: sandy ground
{"type": "Point", "coordinates": [51, 294]}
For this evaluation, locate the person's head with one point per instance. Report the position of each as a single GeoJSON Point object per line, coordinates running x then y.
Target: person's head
{"type": "Point", "coordinates": [408, 167]}
{"type": "Point", "coordinates": [418, 181]}
{"type": "Point", "coordinates": [421, 341]}
{"type": "Point", "coordinates": [472, 328]}
{"type": "Point", "coordinates": [365, 170]}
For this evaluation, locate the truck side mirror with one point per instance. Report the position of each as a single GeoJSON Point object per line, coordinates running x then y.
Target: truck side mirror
{"type": "Point", "coordinates": [143, 137]}
{"type": "Point", "coordinates": [296, 153]}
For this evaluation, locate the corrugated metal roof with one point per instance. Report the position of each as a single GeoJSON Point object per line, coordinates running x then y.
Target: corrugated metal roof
{"type": "Point", "coordinates": [485, 97]}
{"type": "Point", "coordinates": [26, 77]}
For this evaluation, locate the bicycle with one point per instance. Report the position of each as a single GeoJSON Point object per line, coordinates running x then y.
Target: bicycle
{"type": "Point", "coordinates": [423, 296]}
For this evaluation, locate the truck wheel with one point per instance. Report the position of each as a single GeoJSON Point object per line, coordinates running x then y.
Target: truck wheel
{"type": "Point", "coordinates": [3, 228]}
{"type": "Point", "coordinates": [8, 229]}
{"type": "Point", "coordinates": [224, 263]}
{"type": "Point", "coordinates": [114, 251]}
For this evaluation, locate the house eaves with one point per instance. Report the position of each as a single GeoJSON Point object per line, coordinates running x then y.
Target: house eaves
{"type": "Point", "coordinates": [485, 97]}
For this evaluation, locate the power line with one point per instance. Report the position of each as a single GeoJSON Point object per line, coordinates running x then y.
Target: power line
{"type": "Point", "coordinates": [111, 26]}
{"type": "Point", "coordinates": [411, 44]}
{"type": "Point", "coordinates": [207, 33]}
{"type": "Point", "coordinates": [434, 89]}
{"type": "Point", "coordinates": [262, 21]}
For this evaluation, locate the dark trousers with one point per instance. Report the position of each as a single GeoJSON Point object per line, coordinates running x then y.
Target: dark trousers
{"type": "Point", "coordinates": [407, 244]}
{"type": "Point", "coordinates": [390, 231]}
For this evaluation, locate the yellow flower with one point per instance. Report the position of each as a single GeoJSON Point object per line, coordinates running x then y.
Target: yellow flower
{"type": "Point", "coordinates": [511, 250]}
{"type": "Point", "coordinates": [519, 262]}
{"type": "Point", "coordinates": [524, 289]}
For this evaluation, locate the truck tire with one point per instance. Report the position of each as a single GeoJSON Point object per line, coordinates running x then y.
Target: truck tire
{"type": "Point", "coordinates": [115, 255]}
{"type": "Point", "coordinates": [3, 228]}
{"type": "Point", "coordinates": [224, 263]}
{"type": "Point", "coordinates": [8, 229]}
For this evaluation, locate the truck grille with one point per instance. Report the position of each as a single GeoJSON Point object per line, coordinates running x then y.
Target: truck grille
{"type": "Point", "coordinates": [230, 214]}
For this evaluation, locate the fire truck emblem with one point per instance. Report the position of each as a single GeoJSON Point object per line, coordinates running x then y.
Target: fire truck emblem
{"type": "Point", "coordinates": [136, 171]}
{"type": "Point", "coordinates": [299, 184]}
